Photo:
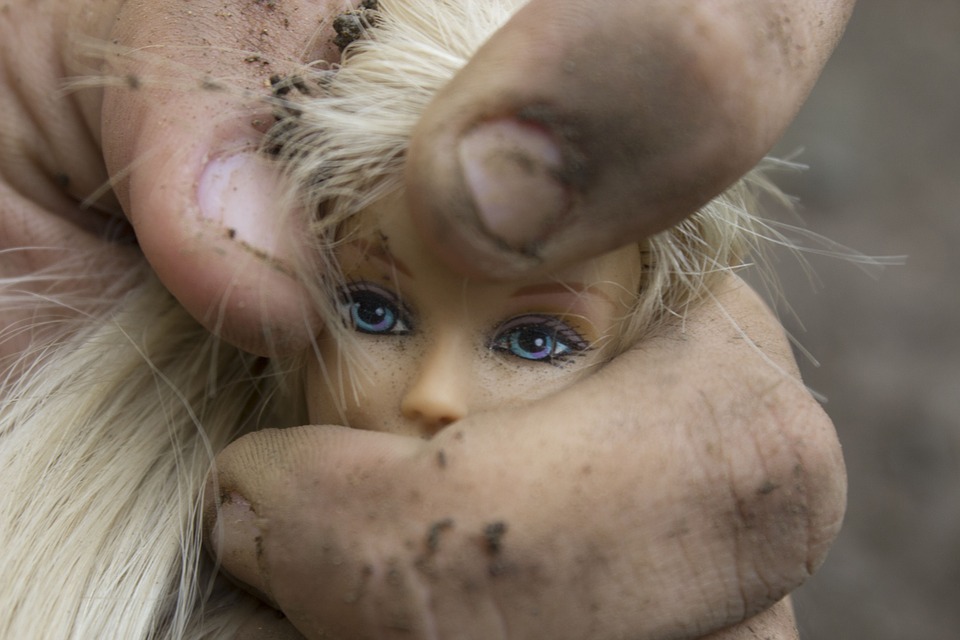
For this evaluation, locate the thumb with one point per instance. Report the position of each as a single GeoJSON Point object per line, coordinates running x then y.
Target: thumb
{"type": "Point", "coordinates": [290, 514]}
{"type": "Point", "coordinates": [180, 138]}
{"type": "Point", "coordinates": [580, 127]}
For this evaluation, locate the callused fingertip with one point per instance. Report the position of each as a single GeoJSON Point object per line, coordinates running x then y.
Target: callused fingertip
{"type": "Point", "coordinates": [236, 541]}
{"type": "Point", "coordinates": [512, 170]}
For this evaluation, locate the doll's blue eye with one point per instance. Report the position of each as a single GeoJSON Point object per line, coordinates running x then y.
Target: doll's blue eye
{"type": "Point", "coordinates": [538, 338]}
{"type": "Point", "coordinates": [369, 308]}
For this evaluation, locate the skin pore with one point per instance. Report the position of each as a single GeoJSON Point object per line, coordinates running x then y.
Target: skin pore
{"type": "Point", "coordinates": [428, 346]}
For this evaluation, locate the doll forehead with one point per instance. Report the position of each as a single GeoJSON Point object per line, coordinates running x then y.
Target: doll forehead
{"type": "Point", "coordinates": [383, 236]}
{"type": "Point", "coordinates": [376, 248]}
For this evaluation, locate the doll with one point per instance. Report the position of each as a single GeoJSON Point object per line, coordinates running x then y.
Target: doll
{"type": "Point", "coordinates": [107, 439]}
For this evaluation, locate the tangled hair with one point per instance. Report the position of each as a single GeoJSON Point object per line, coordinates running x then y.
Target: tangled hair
{"type": "Point", "coordinates": [106, 438]}
{"type": "Point", "coordinates": [108, 433]}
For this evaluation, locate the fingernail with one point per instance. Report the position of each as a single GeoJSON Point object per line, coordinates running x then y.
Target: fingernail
{"type": "Point", "coordinates": [512, 170]}
{"type": "Point", "coordinates": [238, 193]}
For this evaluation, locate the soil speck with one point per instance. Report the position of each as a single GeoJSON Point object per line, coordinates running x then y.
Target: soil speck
{"type": "Point", "coordinates": [493, 536]}
{"type": "Point", "coordinates": [435, 531]}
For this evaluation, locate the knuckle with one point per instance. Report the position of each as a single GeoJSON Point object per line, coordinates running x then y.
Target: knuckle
{"type": "Point", "coordinates": [787, 507]}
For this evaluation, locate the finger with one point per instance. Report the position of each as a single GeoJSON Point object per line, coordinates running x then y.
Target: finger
{"type": "Point", "coordinates": [266, 623]}
{"type": "Point", "coordinates": [690, 484]}
{"type": "Point", "coordinates": [58, 259]}
{"type": "Point", "coordinates": [180, 137]}
{"type": "Point", "coordinates": [776, 623]}
{"type": "Point", "coordinates": [51, 271]}
{"type": "Point", "coordinates": [274, 526]}
{"type": "Point", "coordinates": [580, 127]}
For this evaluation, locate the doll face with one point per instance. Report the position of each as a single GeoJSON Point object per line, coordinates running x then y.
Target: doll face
{"type": "Point", "coordinates": [433, 347]}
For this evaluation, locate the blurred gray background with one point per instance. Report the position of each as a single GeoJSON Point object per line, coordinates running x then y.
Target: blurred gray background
{"type": "Point", "coordinates": [881, 134]}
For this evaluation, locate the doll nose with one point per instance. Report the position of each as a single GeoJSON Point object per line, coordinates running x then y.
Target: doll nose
{"type": "Point", "coordinates": [438, 395]}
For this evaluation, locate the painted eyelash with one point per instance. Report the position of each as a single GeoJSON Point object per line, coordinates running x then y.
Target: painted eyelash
{"type": "Point", "coordinates": [354, 286]}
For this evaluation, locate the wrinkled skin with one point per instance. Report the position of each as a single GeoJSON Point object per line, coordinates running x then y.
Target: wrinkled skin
{"type": "Point", "coordinates": [774, 623]}
{"type": "Point", "coordinates": [733, 487]}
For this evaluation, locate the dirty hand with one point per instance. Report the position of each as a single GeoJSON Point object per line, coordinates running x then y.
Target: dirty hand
{"type": "Point", "coordinates": [687, 485]}
{"type": "Point", "coordinates": [650, 107]}
{"type": "Point", "coordinates": [712, 85]}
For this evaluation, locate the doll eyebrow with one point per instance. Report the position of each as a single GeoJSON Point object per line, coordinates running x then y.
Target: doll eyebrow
{"type": "Point", "coordinates": [558, 287]}
{"type": "Point", "coordinates": [380, 252]}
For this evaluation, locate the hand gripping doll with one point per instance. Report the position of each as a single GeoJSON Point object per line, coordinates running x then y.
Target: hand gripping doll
{"type": "Point", "coordinates": [108, 433]}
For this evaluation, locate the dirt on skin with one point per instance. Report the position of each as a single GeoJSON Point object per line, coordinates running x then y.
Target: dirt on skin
{"type": "Point", "coordinates": [352, 25]}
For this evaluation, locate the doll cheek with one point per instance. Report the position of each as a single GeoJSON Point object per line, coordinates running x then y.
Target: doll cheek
{"type": "Point", "coordinates": [367, 393]}
{"type": "Point", "coordinates": [320, 384]}
{"type": "Point", "coordinates": [504, 382]}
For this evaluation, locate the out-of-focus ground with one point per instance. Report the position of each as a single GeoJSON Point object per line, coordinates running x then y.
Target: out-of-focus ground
{"type": "Point", "coordinates": [881, 134]}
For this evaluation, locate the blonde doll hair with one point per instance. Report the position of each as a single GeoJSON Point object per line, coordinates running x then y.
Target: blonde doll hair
{"type": "Point", "coordinates": [108, 433]}
{"type": "Point", "coordinates": [106, 438]}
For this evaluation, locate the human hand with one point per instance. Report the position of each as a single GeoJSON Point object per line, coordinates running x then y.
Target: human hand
{"type": "Point", "coordinates": [48, 165]}
{"type": "Point", "coordinates": [689, 484]}
{"type": "Point", "coordinates": [650, 106]}
{"type": "Point", "coordinates": [227, 279]}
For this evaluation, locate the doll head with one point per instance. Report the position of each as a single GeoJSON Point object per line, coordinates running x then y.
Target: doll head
{"type": "Point", "coordinates": [427, 346]}
{"type": "Point", "coordinates": [396, 321]}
